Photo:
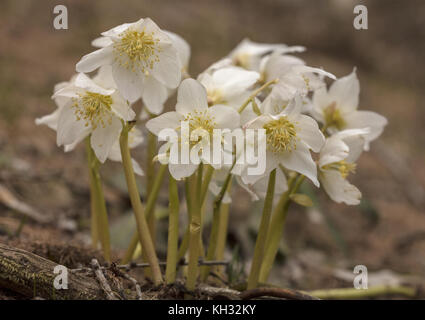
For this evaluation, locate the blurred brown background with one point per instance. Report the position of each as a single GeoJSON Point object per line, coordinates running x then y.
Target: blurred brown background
{"type": "Point", "coordinates": [387, 231]}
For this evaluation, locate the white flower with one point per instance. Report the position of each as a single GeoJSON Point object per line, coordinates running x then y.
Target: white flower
{"type": "Point", "coordinates": [295, 78]}
{"type": "Point", "coordinates": [228, 86]}
{"type": "Point", "coordinates": [248, 54]}
{"type": "Point", "coordinates": [90, 109]}
{"type": "Point", "coordinates": [51, 120]}
{"type": "Point", "coordinates": [192, 106]}
{"type": "Point", "coordinates": [289, 137]}
{"type": "Point", "coordinates": [337, 107]}
{"type": "Point", "coordinates": [144, 62]}
{"type": "Point", "coordinates": [337, 160]}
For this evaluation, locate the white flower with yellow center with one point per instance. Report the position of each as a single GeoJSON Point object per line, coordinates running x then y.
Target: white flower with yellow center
{"type": "Point", "coordinates": [337, 160]}
{"type": "Point", "coordinates": [89, 109]}
{"type": "Point", "coordinates": [104, 79]}
{"type": "Point", "coordinates": [143, 58]}
{"type": "Point", "coordinates": [337, 107]}
{"type": "Point", "coordinates": [228, 86]}
{"type": "Point", "coordinates": [289, 137]}
{"type": "Point", "coordinates": [192, 107]}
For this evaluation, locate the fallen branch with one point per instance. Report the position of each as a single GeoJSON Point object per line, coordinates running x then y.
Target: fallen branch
{"type": "Point", "coordinates": [102, 280]}
{"type": "Point", "coordinates": [32, 276]}
{"type": "Point", "coordinates": [372, 292]}
{"type": "Point", "coordinates": [276, 293]}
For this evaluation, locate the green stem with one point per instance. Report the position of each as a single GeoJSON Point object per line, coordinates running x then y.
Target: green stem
{"type": "Point", "coordinates": [276, 228]}
{"type": "Point", "coordinates": [353, 293]}
{"type": "Point", "coordinates": [173, 232]}
{"type": "Point", "coordinates": [255, 93]}
{"type": "Point", "coordinates": [262, 233]}
{"type": "Point", "coordinates": [206, 182]}
{"type": "Point", "coordinates": [94, 227]}
{"type": "Point", "coordinates": [212, 244]}
{"type": "Point", "coordinates": [195, 236]}
{"type": "Point", "coordinates": [99, 203]}
{"type": "Point", "coordinates": [142, 225]}
{"type": "Point", "coordinates": [150, 179]}
{"type": "Point", "coordinates": [222, 234]}
{"type": "Point", "coordinates": [149, 211]}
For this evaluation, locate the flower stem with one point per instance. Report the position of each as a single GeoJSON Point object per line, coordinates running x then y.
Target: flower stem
{"type": "Point", "coordinates": [102, 225]}
{"type": "Point", "coordinates": [94, 226]}
{"type": "Point", "coordinates": [353, 293]}
{"type": "Point", "coordinates": [276, 228]}
{"type": "Point", "coordinates": [255, 93]}
{"type": "Point", "coordinates": [173, 231]}
{"type": "Point", "coordinates": [150, 178]}
{"type": "Point", "coordinates": [222, 234]}
{"type": "Point", "coordinates": [150, 210]}
{"type": "Point", "coordinates": [212, 244]}
{"type": "Point", "coordinates": [142, 225]}
{"type": "Point", "coordinates": [195, 235]}
{"type": "Point", "coordinates": [262, 233]}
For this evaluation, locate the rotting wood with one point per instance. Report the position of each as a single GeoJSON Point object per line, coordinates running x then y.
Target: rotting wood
{"type": "Point", "coordinates": [32, 276]}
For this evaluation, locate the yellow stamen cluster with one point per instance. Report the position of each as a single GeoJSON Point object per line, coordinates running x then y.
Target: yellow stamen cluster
{"type": "Point", "coordinates": [93, 108]}
{"type": "Point", "coordinates": [344, 168]}
{"type": "Point", "coordinates": [137, 50]}
{"type": "Point", "coordinates": [333, 117]}
{"type": "Point", "coordinates": [281, 135]}
{"type": "Point", "coordinates": [200, 120]}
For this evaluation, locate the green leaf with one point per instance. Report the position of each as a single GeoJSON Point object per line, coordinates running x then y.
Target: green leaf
{"type": "Point", "coordinates": [301, 199]}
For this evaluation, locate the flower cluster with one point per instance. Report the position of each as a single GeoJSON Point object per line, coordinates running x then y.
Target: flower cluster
{"type": "Point", "coordinates": [272, 98]}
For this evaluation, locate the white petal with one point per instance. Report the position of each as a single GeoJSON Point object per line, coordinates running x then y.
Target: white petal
{"type": "Point", "coordinates": [180, 171]}
{"type": "Point", "coordinates": [345, 92]}
{"type": "Point", "coordinates": [339, 189]}
{"type": "Point", "coordinates": [129, 83]}
{"type": "Point", "coordinates": [50, 120]}
{"type": "Point", "coordinates": [84, 82]}
{"type": "Point", "coordinates": [300, 160]}
{"type": "Point", "coordinates": [168, 69]}
{"type": "Point", "coordinates": [94, 60]}
{"type": "Point", "coordinates": [225, 117]}
{"type": "Point", "coordinates": [121, 108]}
{"type": "Point", "coordinates": [103, 138]}
{"type": "Point", "coordinates": [309, 132]}
{"type": "Point", "coordinates": [137, 168]}
{"type": "Point", "coordinates": [367, 119]}
{"type": "Point", "coordinates": [191, 96]}
{"type": "Point", "coordinates": [182, 47]}
{"type": "Point", "coordinates": [102, 42]}
{"type": "Point", "coordinates": [234, 81]}
{"type": "Point", "coordinates": [168, 120]}
{"type": "Point", "coordinates": [334, 150]}
{"type": "Point", "coordinates": [154, 95]}
{"type": "Point", "coordinates": [69, 128]}
{"type": "Point", "coordinates": [116, 31]}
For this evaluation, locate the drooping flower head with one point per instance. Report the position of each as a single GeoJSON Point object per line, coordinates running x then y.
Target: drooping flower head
{"type": "Point", "coordinates": [289, 137]}
{"type": "Point", "coordinates": [143, 58]}
{"type": "Point", "coordinates": [337, 107]}
{"type": "Point", "coordinates": [192, 108]}
{"type": "Point", "coordinates": [337, 161]}
{"type": "Point", "coordinates": [89, 109]}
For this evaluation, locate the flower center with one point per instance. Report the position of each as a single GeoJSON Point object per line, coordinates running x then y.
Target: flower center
{"type": "Point", "coordinates": [333, 117]}
{"type": "Point", "coordinates": [200, 120]}
{"type": "Point", "coordinates": [137, 50]}
{"type": "Point", "coordinates": [214, 97]}
{"type": "Point", "coordinates": [344, 168]}
{"type": "Point", "coordinates": [280, 135]}
{"type": "Point", "coordinates": [93, 108]}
